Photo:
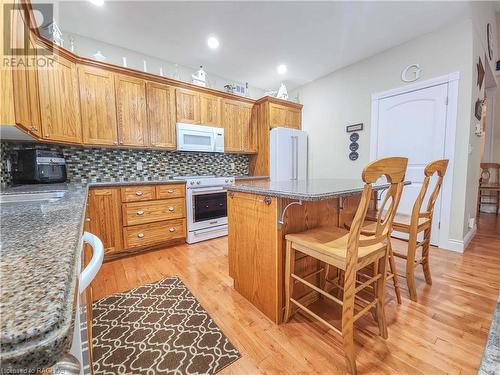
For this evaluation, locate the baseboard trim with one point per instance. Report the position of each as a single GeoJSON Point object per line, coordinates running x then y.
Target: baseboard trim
{"type": "Point", "coordinates": [459, 245]}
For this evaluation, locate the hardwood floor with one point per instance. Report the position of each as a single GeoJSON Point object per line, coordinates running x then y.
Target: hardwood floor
{"type": "Point", "coordinates": [443, 333]}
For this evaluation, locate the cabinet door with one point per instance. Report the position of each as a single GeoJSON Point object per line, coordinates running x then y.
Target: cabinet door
{"type": "Point", "coordinates": [98, 107]}
{"type": "Point", "coordinates": [131, 110]}
{"type": "Point", "coordinates": [59, 100]}
{"type": "Point", "coordinates": [293, 118]}
{"type": "Point", "coordinates": [249, 129]}
{"type": "Point", "coordinates": [231, 122]}
{"type": "Point", "coordinates": [283, 116]}
{"type": "Point", "coordinates": [104, 218]}
{"type": "Point", "coordinates": [210, 110]}
{"type": "Point", "coordinates": [25, 80]}
{"type": "Point", "coordinates": [161, 115]}
{"type": "Point", "coordinates": [187, 106]}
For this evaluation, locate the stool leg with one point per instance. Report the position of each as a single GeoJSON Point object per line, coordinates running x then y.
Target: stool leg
{"type": "Point", "coordinates": [289, 282]}
{"type": "Point", "coordinates": [425, 255]}
{"type": "Point", "coordinates": [380, 294]}
{"type": "Point", "coordinates": [348, 320]}
{"type": "Point", "coordinates": [410, 265]}
{"type": "Point", "coordinates": [394, 271]}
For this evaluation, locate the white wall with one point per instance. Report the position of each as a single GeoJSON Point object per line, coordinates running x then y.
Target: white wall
{"type": "Point", "coordinates": [344, 97]}
{"type": "Point", "coordinates": [87, 47]}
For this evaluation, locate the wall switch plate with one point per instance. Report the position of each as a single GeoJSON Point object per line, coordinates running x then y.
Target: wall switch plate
{"type": "Point", "coordinates": [232, 166]}
{"type": "Point", "coordinates": [139, 165]}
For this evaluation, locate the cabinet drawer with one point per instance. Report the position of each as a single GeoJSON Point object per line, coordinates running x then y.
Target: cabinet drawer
{"type": "Point", "coordinates": [148, 212]}
{"type": "Point", "coordinates": [138, 193]}
{"type": "Point", "coordinates": [170, 191]}
{"type": "Point", "coordinates": [153, 234]}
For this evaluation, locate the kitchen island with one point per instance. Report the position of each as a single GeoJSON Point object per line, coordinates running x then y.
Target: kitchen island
{"type": "Point", "coordinates": [262, 212]}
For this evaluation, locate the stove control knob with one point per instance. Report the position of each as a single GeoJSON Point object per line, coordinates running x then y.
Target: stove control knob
{"type": "Point", "coordinates": [191, 183]}
{"type": "Point", "coordinates": [198, 182]}
{"type": "Point", "coordinates": [226, 180]}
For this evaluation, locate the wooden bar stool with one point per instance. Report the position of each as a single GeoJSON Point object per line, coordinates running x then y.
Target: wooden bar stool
{"type": "Point", "coordinates": [489, 186]}
{"type": "Point", "coordinates": [419, 221]}
{"type": "Point", "coordinates": [350, 251]}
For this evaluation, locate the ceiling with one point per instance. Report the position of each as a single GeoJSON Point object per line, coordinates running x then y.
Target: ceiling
{"type": "Point", "coordinates": [311, 38]}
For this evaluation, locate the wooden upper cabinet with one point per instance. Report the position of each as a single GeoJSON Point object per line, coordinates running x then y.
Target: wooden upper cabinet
{"type": "Point", "coordinates": [187, 106]}
{"type": "Point", "coordinates": [25, 79]}
{"type": "Point", "coordinates": [161, 115]}
{"type": "Point", "coordinates": [230, 123]}
{"type": "Point", "coordinates": [98, 107]}
{"type": "Point", "coordinates": [283, 116]}
{"type": "Point", "coordinates": [240, 126]}
{"type": "Point", "coordinates": [59, 100]}
{"type": "Point", "coordinates": [104, 217]}
{"type": "Point", "coordinates": [131, 110]}
{"type": "Point", "coordinates": [210, 107]}
{"type": "Point", "coordinates": [250, 131]}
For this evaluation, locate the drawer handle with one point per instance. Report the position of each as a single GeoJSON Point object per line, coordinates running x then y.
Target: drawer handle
{"type": "Point", "coordinates": [140, 235]}
{"type": "Point", "coordinates": [171, 209]}
{"type": "Point", "coordinates": [139, 193]}
{"type": "Point", "coordinates": [170, 191]}
{"type": "Point", "coordinates": [140, 213]}
{"type": "Point", "coordinates": [172, 229]}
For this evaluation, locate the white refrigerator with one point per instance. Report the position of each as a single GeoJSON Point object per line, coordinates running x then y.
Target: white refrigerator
{"type": "Point", "coordinates": [288, 153]}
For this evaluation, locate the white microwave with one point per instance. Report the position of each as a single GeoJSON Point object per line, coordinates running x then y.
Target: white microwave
{"type": "Point", "coordinates": [199, 138]}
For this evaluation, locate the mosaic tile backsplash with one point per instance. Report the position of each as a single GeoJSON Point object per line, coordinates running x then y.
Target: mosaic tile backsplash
{"type": "Point", "coordinates": [85, 164]}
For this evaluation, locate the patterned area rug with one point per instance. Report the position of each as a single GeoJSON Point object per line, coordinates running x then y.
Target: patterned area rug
{"type": "Point", "coordinates": [158, 328]}
{"type": "Point", "coordinates": [490, 365]}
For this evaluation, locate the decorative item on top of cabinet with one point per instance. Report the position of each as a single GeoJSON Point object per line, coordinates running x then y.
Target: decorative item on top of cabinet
{"type": "Point", "coordinates": [161, 115]}
{"type": "Point", "coordinates": [59, 99]}
{"type": "Point", "coordinates": [104, 217]}
{"type": "Point", "coordinates": [187, 106]}
{"type": "Point", "coordinates": [98, 106]}
{"type": "Point", "coordinates": [131, 110]}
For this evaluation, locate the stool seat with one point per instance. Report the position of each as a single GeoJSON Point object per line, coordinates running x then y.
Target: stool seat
{"type": "Point", "coordinates": [331, 243]}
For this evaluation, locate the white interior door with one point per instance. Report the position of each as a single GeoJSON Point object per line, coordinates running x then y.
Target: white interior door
{"type": "Point", "coordinates": [413, 125]}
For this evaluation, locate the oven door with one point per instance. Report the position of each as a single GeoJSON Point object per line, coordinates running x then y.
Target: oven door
{"type": "Point", "coordinates": [207, 208]}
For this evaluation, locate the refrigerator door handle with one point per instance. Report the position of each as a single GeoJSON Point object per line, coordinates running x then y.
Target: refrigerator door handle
{"type": "Point", "coordinates": [295, 157]}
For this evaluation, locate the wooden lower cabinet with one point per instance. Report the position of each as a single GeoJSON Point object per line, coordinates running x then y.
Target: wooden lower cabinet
{"type": "Point", "coordinates": [154, 233]}
{"type": "Point", "coordinates": [132, 218]}
{"type": "Point", "coordinates": [104, 217]}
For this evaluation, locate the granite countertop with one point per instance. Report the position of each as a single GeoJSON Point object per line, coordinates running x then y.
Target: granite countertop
{"type": "Point", "coordinates": [40, 255]}
{"type": "Point", "coordinates": [307, 190]}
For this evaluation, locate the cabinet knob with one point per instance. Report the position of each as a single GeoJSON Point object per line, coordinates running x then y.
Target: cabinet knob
{"type": "Point", "coordinates": [87, 219]}
{"type": "Point", "coordinates": [47, 135]}
{"type": "Point", "coordinates": [139, 193]}
{"type": "Point", "coordinates": [172, 229]}
{"type": "Point", "coordinates": [140, 213]}
{"type": "Point", "coordinates": [170, 191]}
{"type": "Point", "coordinates": [115, 142]}
{"type": "Point", "coordinates": [171, 209]}
{"type": "Point", "coordinates": [140, 235]}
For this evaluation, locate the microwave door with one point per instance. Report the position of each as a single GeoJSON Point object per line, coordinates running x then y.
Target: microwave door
{"type": "Point", "coordinates": [192, 140]}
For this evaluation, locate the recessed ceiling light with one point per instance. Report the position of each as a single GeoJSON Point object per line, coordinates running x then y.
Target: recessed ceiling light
{"type": "Point", "coordinates": [281, 69]}
{"type": "Point", "coordinates": [99, 3]}
{"type": "Point", "coordinates": [213, 42]}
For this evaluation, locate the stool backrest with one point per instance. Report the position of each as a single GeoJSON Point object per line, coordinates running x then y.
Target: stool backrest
{"type": "Point", "coordinates": [439, 167]}
{"type": "Point", "coordinates": [394, 169]}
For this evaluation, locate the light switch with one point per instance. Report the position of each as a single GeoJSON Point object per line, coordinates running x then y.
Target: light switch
{"type": "Point", "coordinates": [139, 165]}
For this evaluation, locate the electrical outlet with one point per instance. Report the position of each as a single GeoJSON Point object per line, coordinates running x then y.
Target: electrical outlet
{"type": "Point", "coordinates": [139, 165]}
{"type": "Point", "coordinates": [472, 222]}
{"type": "Point", "coordinates": [232, 166]}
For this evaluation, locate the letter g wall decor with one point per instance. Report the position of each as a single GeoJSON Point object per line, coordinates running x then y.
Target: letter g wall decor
{"type": "Point", "coordinates": [411, 69]}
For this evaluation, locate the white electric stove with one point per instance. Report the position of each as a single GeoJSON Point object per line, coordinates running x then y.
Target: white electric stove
{"type": "Point", "coordinates": [206, 204]}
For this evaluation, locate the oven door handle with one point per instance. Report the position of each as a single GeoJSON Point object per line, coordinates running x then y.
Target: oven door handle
{"type": "Point", "coordinates": [217, 189]}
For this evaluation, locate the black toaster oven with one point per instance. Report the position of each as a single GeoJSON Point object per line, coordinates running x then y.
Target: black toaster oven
{"type": "Point", "coordinates": [35, 166]}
